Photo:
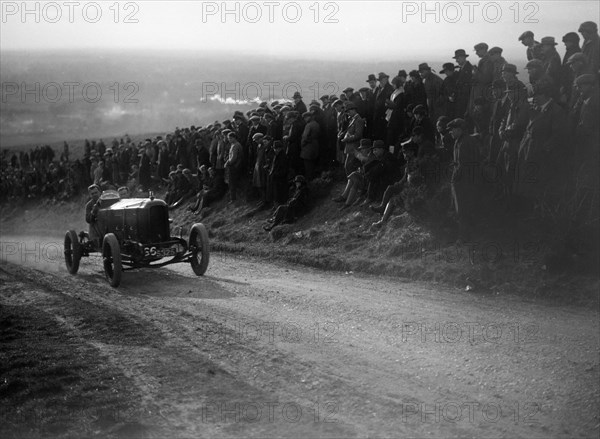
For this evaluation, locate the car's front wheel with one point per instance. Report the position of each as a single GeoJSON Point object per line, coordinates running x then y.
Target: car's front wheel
{"type": "Point", "coordinates": [111, 256]}
{"type": "Point", "coordinates": [198, 245]}
{"type": "Point", "coordinates": [72, 251]}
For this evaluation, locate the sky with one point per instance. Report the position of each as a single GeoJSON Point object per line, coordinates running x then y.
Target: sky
{"type": "Point", "coordinates": [343, 30]}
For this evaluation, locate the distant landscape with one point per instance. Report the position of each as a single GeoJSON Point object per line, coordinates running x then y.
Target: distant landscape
{"type": "Point", "coordinates": [43, 99]}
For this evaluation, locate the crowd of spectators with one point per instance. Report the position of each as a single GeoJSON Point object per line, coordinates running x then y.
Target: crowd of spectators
{"type": "Point", "coordinates": [479, 130]}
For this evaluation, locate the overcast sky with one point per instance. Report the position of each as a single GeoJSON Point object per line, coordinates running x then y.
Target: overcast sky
{"type": "Point", "coordinates": [335, 30]}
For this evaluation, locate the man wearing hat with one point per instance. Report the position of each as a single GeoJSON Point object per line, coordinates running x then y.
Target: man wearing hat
{"type": "Point", "coordinates": [591, 45]}
{"type": "Point", "coordinates": [277, 185]}
{"type": "Point", "coordinates": [551, 59]}
{"type": "Point", "coordinates": [309, 146]}
{"type": "Point", "coordinates": [465, 178]}
{"type": "Point", "coordinates": [299, 105]}
{"type": "Point", "coordinates": [464, 78]}
{"type": "Point", "coordinates": [537, 75]}
{"type": "Point", "coordinates": [543, 152]}
{"type": "Point", "coordinates": [293, 139]}
{"type": "Point", "coordinates": [510, 132]}
{"type": "Point", "coordinates": [382, 93]}
{"type": "Point", "coordinates": [571, 42]}
{"type": "Point", "coordinates": [483, 74]}
{"type": "Point", "coordinates": [356, 180]}
{"type": "Point", "coordinates": [433, 87]}
{"type": "Point", "coordinates": [351, 138]}
{"type": "Point", "coordinates": [329, 133]}
{"type": "Point", "coordinates": [233, 165]}
{"type": "Point", "coordinates": [296, 205]}
{"type": "Point", "coordinates": [448, 90]}
{"type": "Point", "coordinates": [528, 41]}
{"type": "Point", "coordinates": [509, 76]}
{"type": "Point", "coordinates": [396, 112]}
{"type": "Point", "coordinates": [372, 80]}
{"type": "Point", "coordinates": [498, 61]}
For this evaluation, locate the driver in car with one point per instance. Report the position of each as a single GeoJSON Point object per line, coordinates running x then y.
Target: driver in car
{"type": "Point", "coordinates": [91, 211]}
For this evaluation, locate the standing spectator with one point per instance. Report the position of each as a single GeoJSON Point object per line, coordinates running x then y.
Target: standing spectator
{"type": "Point", "coordinates": [233, 165]}
{"type": "Point", "coordinates": [277, 182]}
{"type": "Point", "coordinates": [532, 46]}
{"type": "Point", "coordinates": [591, 45]}
{"type": "Point", "coordinates": [433, 88]}
{"type": "Point", "coordinates": [464, 181]}
{"type": "Point", "coordinates": [541, 161]}
{"type": "Point", "coordinates": [309, 147]}
{"type": "Point", "coordinates": [571, 41]}
{"type": "Point", "coordinates": [299, 104]}
{"type": "Point", "coordinates": [382, 93]}
{"type": "Point", "coordinates": [449, 90]}
{"type": "Point", "coordinates": [511, 132]}
{"type": "Point", "coordinates": [550, 58]}
{"type": "Point", "coordinates": [259, 176]}
{"type": "Point", "coordinates": [498, 62]}
{"type": "Point", "coordinates": [464, 79]}
{"type": "Point", "coordinates": [396, 112]}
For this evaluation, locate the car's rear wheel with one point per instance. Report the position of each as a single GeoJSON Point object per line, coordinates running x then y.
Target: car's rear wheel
{"type": "Point", "coordinates": [111, 255]}
{"type": "Point", "coordinates": [198, 244]}
{"type": "Point", "coordinates": [72, 251]}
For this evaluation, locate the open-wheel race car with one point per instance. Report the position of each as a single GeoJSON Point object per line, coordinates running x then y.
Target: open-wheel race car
{"type": "Point", "coordinates": [135, 233]}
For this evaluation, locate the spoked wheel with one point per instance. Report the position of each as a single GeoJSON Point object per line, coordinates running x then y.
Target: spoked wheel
{"type": "Point", "coordinates": [198, 244]}
{"type": "Point", "coordinates": [111, 255]}
{"type": "Point", "coordinates": [72, 251]}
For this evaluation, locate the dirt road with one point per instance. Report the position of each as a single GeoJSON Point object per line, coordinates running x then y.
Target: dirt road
{"type": "Point", "coordinates": [255, 349]}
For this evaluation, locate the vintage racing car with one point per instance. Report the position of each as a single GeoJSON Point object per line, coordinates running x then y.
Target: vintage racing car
{"type": "Point", "coordinates": [135, 233]}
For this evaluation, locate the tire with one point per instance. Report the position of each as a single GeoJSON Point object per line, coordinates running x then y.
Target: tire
{"type": "Point", "coordinates": [72, 251]}
{"type": "Point", "coordinates": [198, 244]}
{"type": "Point", "coordinates": [111, 257]}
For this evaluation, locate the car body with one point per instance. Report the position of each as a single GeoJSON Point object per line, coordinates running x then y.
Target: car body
{"type": "Point", "coordinates": [135, 233]}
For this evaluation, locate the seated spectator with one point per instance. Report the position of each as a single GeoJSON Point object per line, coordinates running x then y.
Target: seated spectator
{"type": "Point", "coordinates": [392, 197]}
{"type": "Point", "coordinates": [357, 182]}
{"type": "Point", "coordinates": [213, 189]}
{"type": "Point", "coordinates": [296, 205]}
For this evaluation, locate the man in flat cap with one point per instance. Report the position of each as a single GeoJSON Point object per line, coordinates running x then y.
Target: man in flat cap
{"type": "Point", "coordinates": [498, 61]}
{"type": "Point", "coordinates": [578, 65]}
{"type": "Point", "coordinates": [591, 44]}
{"type": "Point", "coordinates": [464, 79]}
{"type": "Point", "coordinates": [483, 75]}
{"type": "Point", "coordinates": [551, 59]}
{"type": "Point", "coordinates": [528, 41]}
{"type": "Point", "coordinates": [382, 93]}
{"type": "Point", "coordinates": [433, 88]}
{"type": "Point", "coordinates": [465, 178]}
